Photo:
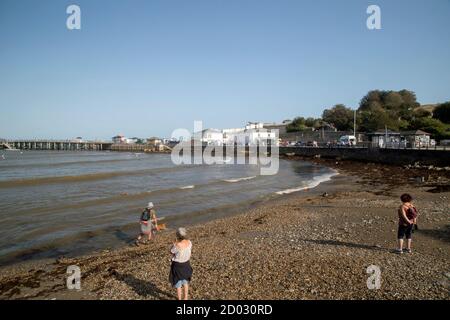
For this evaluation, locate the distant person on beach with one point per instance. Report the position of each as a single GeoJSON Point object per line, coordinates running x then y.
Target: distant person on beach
{"type": "Point", "coordinates": [148, 223]}
{"type": "Point", "coordinates": [407, 215]}
{"type": "Point", "coordinates": [180, 269]}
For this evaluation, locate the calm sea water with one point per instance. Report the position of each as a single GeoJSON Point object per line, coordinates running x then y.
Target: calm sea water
{"type": "Point", "coordinates": [56, 203]}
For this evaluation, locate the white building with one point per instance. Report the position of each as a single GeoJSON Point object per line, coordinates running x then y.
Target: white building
{"type": "Point", "coordinates": [211, 137]}
{"type": "Point", "coordinates": [119, 139]}
{"type": "Point", "coordinates": [253, 134]}
{"type": "Point", "coordinates": [232, 136]}
{"type": "Point", "coordinates": [132, 140]}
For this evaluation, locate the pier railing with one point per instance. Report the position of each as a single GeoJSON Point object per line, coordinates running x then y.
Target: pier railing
{"type": "Point", "coordinates": [41, 144]}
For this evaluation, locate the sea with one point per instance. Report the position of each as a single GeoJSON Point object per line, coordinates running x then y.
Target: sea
{"type": "Point", "coordinates": [68, 203]}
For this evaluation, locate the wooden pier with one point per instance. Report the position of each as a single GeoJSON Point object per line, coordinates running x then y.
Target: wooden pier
{"type": "Point", "coordinates": [140, 148]}
{"type": "Point", "coordinates": [63, 145]}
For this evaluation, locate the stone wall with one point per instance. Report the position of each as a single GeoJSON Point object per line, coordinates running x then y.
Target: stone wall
{"type": "Point", "coordinates": [439, 158]}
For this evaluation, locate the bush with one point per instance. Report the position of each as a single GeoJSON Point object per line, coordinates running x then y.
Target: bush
{"type": "Point", "coordinates": [442, 112]}
{"type": "Point", "coordinates": [340, 116]}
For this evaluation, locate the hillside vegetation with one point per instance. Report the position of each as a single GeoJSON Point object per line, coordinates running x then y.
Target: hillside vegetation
{"type": "Point", "coordinates": [378, 109]}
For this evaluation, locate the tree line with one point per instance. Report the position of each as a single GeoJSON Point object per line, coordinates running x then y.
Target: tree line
{"type": "Point", "coordinates": [396, 110]}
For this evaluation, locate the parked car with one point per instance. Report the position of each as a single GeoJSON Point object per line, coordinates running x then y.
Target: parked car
{"type": "Point", "coordinates": [347, 141]}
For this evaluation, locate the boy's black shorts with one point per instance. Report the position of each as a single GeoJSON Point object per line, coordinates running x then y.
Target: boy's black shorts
{"type": "Point", "coordinates": [405, 231]}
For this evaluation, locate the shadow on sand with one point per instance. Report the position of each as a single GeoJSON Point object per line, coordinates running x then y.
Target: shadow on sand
{"type": "Point", "coordinates": [439, 234]}
{"type": "Point", "coordinates": [142, 287]}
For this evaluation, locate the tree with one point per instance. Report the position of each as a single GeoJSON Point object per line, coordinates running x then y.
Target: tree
{"type": "Point", "coordinates": [340, 116]}
{"type": "Point", "coordinates": [371, 100]}
{"type": "Point", "coordinates": [394, 109]}
{"type": "Point", "coordinates": [318, 123]}
{"type": "Point", "coordinates": [421, 113]}
{"type": "Point", "coordinates": [298, 124]}
{"type": "Point", "coordinates": [442, 112]}
{"type": "Point", "coordinates": [392, 100]}
{"type": "Point", "coordinates": [310, 122]}
{"type": "Point", "coordinates": [372, 120]}
{"type": "Point", "coordinates": [409, 98]}
{"type": "Point", "coordinates": [409, 105]}
{"type": "Point", "coordinates": [302, 124]}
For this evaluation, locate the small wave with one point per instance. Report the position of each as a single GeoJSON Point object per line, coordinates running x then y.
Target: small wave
{"type": "Point", "coordinates": [67, 163]}
{"type": "Point", "coordinates": [239, 179]}
{"type": "Point", "coordinates": [314, 183]}
{"type": "Point", "coordinates": [85, 177]}
{"type": "Point", "coordinates": [120, 197]}
{"type": "Point", "coordinates": [187, 187]}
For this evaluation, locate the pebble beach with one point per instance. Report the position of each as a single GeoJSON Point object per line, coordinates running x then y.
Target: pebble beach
{"type": "Point", "coordinates": [313, 244]}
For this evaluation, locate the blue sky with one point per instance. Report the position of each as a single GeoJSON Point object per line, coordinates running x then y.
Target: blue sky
{"type": "Point", "coordinates": [145, 68]}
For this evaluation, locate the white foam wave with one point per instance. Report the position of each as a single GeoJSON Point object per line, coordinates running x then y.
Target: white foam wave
{"type": "Point", "coordinates": [187, 187]}
{"type": "Point", "coordinates": [239, 179]}
{"type": "Point", "coordinates": [314, 183]}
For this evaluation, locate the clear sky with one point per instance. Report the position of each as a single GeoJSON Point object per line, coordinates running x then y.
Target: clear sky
{"type": "Point", "coordinates": [145, 68]}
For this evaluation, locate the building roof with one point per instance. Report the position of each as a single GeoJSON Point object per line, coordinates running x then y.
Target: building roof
{"type": "Point", "coordinates": [415, 133]}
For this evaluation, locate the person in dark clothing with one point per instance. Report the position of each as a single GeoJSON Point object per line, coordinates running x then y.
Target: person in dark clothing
{"type": "Point", "coordinates": [407, 219]}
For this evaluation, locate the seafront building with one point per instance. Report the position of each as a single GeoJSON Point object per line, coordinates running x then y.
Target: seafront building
{"type": "Point", "coordinates": [254, 133]}
{"type": "Point", "coordinates": [121, 139]}
{"type": "Point", "coordinates": [403, 139]}
{"type": "Point", "coordinates": [118, 139]}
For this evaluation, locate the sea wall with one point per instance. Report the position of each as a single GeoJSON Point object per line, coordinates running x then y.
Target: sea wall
{"type": "Point", "coordinates": [440, 158]}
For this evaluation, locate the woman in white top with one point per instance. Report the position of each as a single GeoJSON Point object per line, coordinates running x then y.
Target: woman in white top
{"type": "Point", "coordinates": [180, 269]}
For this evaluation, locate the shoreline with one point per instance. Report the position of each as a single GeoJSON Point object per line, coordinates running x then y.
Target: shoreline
{"type": "Point", "coordinates": [299, 246]}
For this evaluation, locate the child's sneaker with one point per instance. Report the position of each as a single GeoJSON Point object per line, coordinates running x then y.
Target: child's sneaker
{"type": "Point", "coordinates": [399, 251]}
{"type": "Point", "coordinates": [407, 250]}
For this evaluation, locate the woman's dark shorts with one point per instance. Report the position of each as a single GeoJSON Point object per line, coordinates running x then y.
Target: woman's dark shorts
{"type": "Point", "coordinates": [405, 231]}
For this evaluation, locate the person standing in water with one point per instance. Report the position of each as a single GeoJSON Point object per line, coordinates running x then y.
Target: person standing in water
{"type": "Point", "coordinates": [407, 214]}
{"type": "Point", "coordinates": [180, 269]}
{"type": "Point", "coordinates": [148, 223]}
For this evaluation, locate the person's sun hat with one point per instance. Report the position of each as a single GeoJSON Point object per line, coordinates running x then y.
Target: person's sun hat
{"type": "Point", "coordinates": [150, 205]}
{"type": "Point", "coordinates": [181, 233]}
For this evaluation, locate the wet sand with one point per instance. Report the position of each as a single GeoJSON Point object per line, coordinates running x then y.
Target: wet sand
{"type": "Point", "coordinates": [301, 246]}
